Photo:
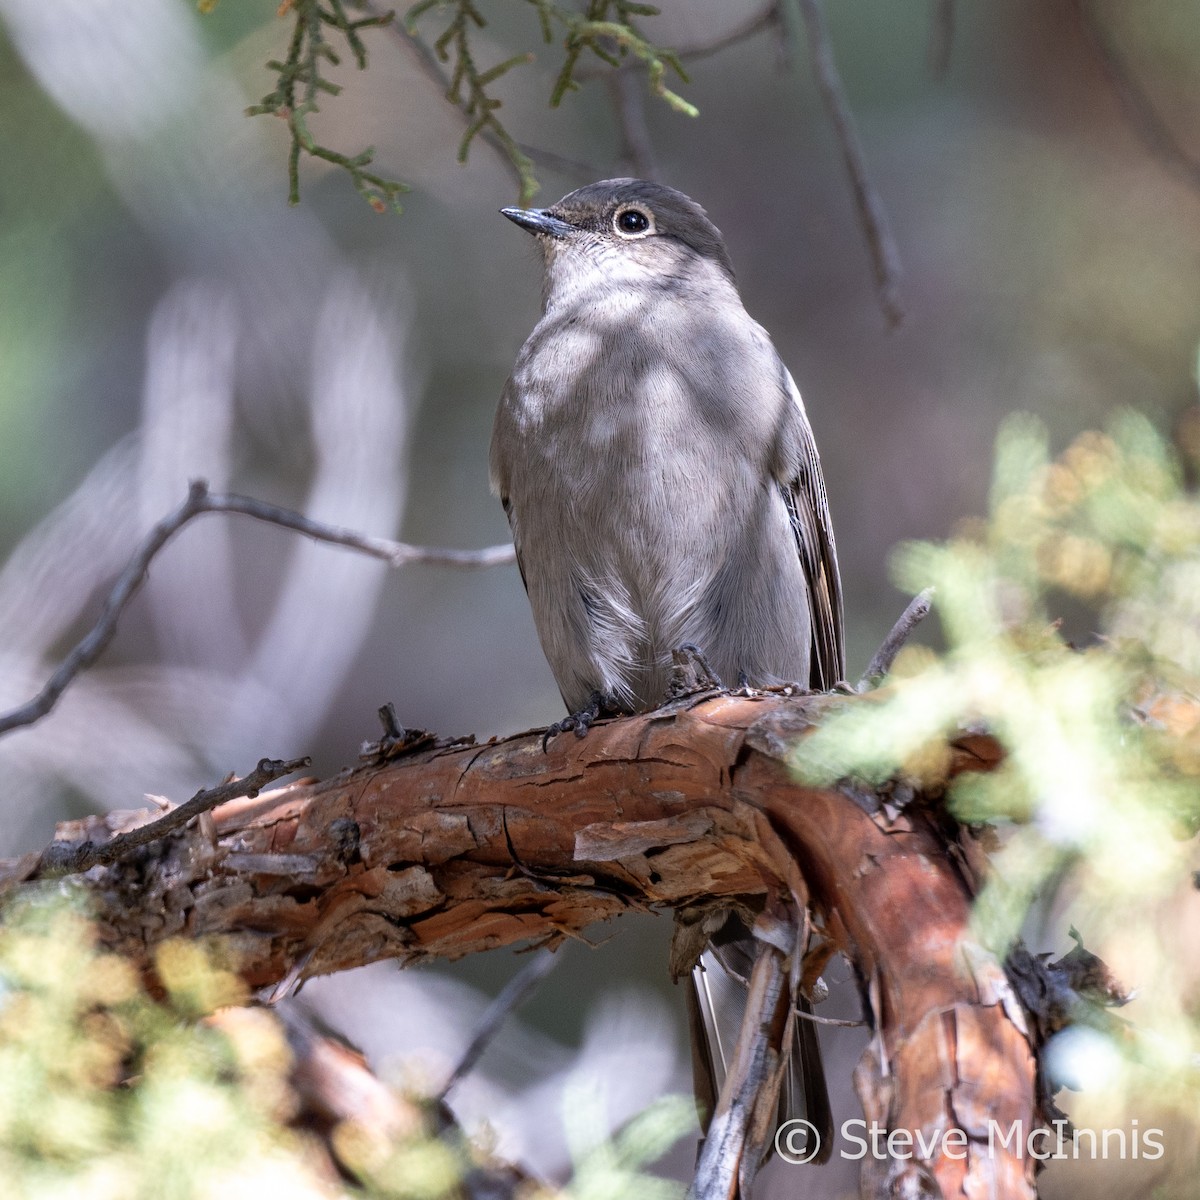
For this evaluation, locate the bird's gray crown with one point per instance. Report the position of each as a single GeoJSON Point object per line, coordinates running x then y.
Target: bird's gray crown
{"type": "Point", "coordinates": [675, 215]}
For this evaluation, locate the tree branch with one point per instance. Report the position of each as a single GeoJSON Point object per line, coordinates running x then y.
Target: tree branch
{"type": "Point", "coordinates": [733, 1145]}
{"type": "Point", "coordinates": [881, 661]}
{"type": "Point", "coordinates": [63, 860]}
{"type": "Point", "coordinates": [199, 500]}
{"type": "Point", "coordinates": [455, 848]}
{"type": "Point", "coordinates": [881, 245]}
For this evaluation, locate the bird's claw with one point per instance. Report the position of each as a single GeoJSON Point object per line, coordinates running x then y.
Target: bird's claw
{"type": "Point", "coordinates": [580, 721]}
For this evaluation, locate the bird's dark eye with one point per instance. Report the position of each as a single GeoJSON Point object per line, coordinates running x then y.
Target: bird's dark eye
{"type": "Point", "coordinates": [631, 220]}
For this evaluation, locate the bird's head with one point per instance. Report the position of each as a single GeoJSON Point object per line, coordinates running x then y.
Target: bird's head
{"type": "Point", "coordinates": [624, 232]}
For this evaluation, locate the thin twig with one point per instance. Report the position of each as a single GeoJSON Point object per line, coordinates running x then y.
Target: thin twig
{"type": "Point", "coordinates": [801, 1014]}
{"type": "Point", "coordinates": [941, 38]}
{"type": "Point", "coordinates": [1139, 110]}
{"type": "Point", "coordinates": [199, 500]}
{"type": "Point", "coordinates": [881, 663]}
{"type": "Point", "coordinates": [629, 106]}
{"type": "Point", "coordinates": [885, 258]}
{"type": "Point", "coordinates": [841, 1022]}
{"type": "Point", "coordinates": [60, 858]}
{"type": "Point", "coordinates": [514, 993]}
{"type": "Point", "coordinates": [395, 554]}
{"type": "Point", "coordinates": [754, 1076]}
{"type": "Point", "coordinates": [755, 23]}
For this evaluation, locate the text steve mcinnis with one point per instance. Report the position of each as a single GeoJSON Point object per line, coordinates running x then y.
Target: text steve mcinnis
{"type": "Point", "coordinates": [1058, 1140]}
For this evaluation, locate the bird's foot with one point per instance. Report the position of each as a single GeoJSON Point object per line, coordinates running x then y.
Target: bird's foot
{"type": "Point", "coordinates": [580, 721]}
{"type": "Point", "coordinates": [691, 672]}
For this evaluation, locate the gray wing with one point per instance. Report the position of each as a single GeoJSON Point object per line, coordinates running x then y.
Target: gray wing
{"type": "Point", "coordinates": [499, 480]}
{"type": "Point", "coordinates": [498, 467]}
{"type": "Point", "coordinates": [506, 503]}
{"type": "Point", "coordinates": [803, 488]}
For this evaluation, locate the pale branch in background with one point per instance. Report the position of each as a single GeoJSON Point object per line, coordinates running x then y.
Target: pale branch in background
{"type": "Point", "coordinates": [881, 245]}
{"type": "Point", "coordinates": [199, 500]}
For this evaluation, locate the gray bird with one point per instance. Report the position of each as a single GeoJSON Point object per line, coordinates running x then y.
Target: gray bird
{"type": "Point", "coordinates": [662, 484]}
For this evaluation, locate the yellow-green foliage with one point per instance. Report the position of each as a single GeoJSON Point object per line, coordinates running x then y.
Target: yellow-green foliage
{"type": "Point", "coordinates": [608, 30]}
{"type": "Point", "coordinates": [106, 1092]}
{"type": "Point", "coordinates": [109, 1093]}
{"type": "Point", "coordinates": [1100, 787]}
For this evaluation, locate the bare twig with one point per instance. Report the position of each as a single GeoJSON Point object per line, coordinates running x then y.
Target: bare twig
{"type": "Point", "coordinates": [765, 18]}
{"type": "Point", "coordinates": [514, 993]}
{"type": "Point", "coordinates": [800, 1013]}
{"type": "Point", "coordinates": [60, 858]}
{"type": "Point", "coordinates": [840, 1022]}
{"type": "Point", "coordinates": [1139, 109]}
{"type": "Point", "coordinates": [885, 258]}
{"type": "Point", "coordinates": [881, 662]}
{"type": "Point", "coordinates": [941, 37]}
{"type": "Point", "coordinates": [199, 500]}
{"type": "Point", "coordinates": [728, 1161]}
{"type": "Point", "coordinates": [629, 105]}
{"type": "Point", "coordinates": [395, 554]}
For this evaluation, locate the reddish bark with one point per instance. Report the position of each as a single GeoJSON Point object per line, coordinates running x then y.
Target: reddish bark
{"type": "Point", "coordinates": [459, 848]}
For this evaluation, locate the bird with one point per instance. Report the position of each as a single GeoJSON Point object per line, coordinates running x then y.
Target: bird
{"type": "Point", "coordinates": [663, 488]}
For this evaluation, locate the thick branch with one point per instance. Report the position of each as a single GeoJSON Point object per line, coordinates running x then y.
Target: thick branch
{"type": "Point", "coordinates": [457, 848]}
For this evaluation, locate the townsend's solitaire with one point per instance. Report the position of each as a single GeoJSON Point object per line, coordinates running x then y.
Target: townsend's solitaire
{"type": "Point", "coordinates": [662, 484]}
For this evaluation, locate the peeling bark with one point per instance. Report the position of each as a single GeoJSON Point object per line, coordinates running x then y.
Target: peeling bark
{"type": "Point", "coordinates": [457, 848]}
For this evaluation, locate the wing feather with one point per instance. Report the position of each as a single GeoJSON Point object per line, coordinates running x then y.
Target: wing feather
{"type": "Point", "coordinates": [803, 488]}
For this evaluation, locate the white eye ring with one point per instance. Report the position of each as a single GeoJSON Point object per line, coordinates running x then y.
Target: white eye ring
{"type": "Point", "coordinates": [640, 221]}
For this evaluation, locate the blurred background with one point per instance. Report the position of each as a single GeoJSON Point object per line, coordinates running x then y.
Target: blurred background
{"type": "Point", "coordinates": [165, 315]}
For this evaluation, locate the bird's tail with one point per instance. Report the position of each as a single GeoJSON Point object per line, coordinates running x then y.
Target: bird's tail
{"type": "Point", "coordinates": [716, 1006]}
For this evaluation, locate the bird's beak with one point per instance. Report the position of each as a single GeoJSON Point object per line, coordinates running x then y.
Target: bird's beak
{"type": "Point", "coordinates": [539, 221]}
